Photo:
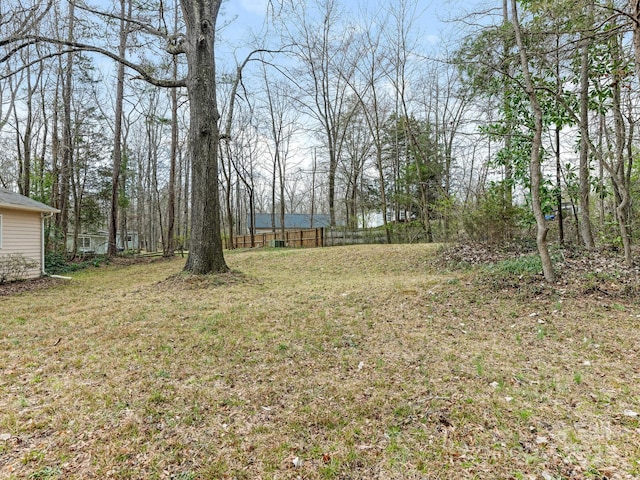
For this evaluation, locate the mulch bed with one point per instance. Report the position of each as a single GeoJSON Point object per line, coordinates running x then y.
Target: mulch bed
{"type": "Point", "coordinates": [31, 285]}
{"type": "Point", "coordinates": [24, 286]}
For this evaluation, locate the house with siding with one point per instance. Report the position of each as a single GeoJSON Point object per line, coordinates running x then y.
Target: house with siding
{"type": "Point", "coordinates": [22, 229]}
{"type": "Point", "coordinates": [97, 243]}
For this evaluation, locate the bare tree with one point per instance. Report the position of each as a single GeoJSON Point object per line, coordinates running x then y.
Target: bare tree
{"type": "Point", "coordinates": [323, 52]}
{"type": "Point", "coordinates": [634, 14]}
{"type": "Point", "coordinates": [358, 147]}
{"type": "Point", "coordinates": [446, 101]}
{"type": "Point", "coordinates": [66, 155]}
{"type": "Point", "coordinates": [126, 8]}
{"type": "Point", "coordinates": [372, 69]}
{"type": "Point", "coordinates": [281, 117]}
{"type": "Point", "coordinates": [169, 244]}
{"type": "Point", "coordinates": [403, 15]}
{"type": "Point", "coordinates": [244, 153]}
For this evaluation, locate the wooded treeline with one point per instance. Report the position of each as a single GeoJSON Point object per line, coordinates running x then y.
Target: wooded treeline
{"type": "Point", "coordinates": [524, 120]}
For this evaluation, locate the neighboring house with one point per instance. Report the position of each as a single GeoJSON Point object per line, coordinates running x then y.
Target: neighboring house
{"type": "Point", "coordinates": [22, 229]}
{"type": "Point", "coordinates": [568, 208]}
{"type": "Point", "coordinates": [264, 222]}
{"type": "Point", "coordinates": [89, 243]}
{"type": "Point", "coordinates": [97, 243]}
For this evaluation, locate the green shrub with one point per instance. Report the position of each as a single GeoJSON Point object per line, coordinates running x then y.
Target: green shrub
{"type": "Point", "coordinates": [56, 263]}
{"type": "Point", "coordinates": [492, 220]}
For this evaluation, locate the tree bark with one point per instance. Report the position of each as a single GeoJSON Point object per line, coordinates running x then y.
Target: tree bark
{"type": "Point", "coordinates": [26, 138]}
{"type": "Point", "coordinates": [560, 216]}
{"type": "Point", "coordinates": [507, 75]}
{"type": "Point", "coordinates": [635, 19]}
{"type": "Point", "coordinates": [205, 251]}
{"type": "Point", "coordinates": [534, 165]}
{"type": "Point", "coordinates": [62, 219]}
{"type": "Point", "coordinates": [226, 173]}
{"type": "Point", "coordinates": [112, 248]}
{"type": "Point", "coordinates": [585, 186]}
{"type": "Point", "coordinates": [617, 168]}
{"type": "Point", "coordinates": [169, 245]}
{"type": "Point", "coordinates": [171, 194]}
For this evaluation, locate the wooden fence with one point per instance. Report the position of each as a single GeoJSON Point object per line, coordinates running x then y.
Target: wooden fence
{"type": "Point", "coordinates": [340, 236]}
{"type": "Point", "coordinates": [309, 238]}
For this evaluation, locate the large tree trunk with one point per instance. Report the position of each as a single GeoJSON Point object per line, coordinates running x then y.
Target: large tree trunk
{"type": "Point", "coordinates": [205, 251]}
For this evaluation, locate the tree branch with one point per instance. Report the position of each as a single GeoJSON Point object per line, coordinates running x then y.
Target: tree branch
{"type": "Point", "coordinates": [83, 47]}
{"type": "Point", "coordinates": [12, 52]}
{"type": "Point", "coordinates": [174, 42]}
{"type": "Point", "coordinates": [234, 88]}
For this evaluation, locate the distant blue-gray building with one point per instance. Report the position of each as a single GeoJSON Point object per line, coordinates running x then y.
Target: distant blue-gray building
{"type": "Point", "coordinates": [292, 221]}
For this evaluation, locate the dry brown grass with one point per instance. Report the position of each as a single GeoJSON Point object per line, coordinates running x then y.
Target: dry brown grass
{"type": "Point", "coordinates": [350, 363]}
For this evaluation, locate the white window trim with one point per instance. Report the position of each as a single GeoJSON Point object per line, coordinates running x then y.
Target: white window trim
{"type": "Point", "coordinates": [1, 231]}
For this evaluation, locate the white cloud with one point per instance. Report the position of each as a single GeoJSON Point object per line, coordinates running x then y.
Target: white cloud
{"type": "Point", "coordinates": [257, 7]}
{"type": "Point", "coordinates": [433, 39]}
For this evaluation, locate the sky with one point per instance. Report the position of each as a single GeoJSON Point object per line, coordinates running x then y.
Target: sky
{"type": "Point", "coordinates": [239, 18]}
{"type": "Point", "coordinates": [243, 16]}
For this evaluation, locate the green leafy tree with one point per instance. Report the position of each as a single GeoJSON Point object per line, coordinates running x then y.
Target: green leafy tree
{"type": "Point", "coordinates": [415, 155]}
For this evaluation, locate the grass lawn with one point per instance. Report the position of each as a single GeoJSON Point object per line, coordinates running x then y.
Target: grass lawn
{"type": "Point", "coordinates": [339, 363]}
